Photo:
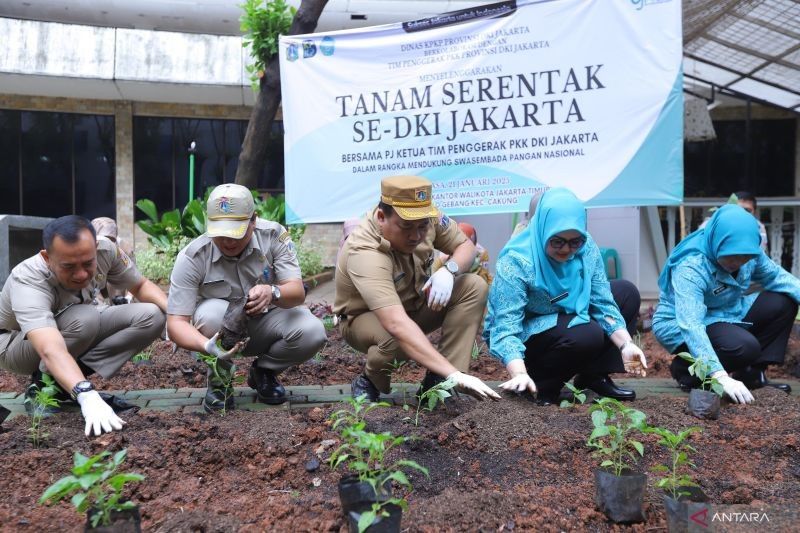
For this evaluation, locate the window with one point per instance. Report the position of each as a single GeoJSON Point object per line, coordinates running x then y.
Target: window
{"type": "Point", "coordinates": [55, 164]}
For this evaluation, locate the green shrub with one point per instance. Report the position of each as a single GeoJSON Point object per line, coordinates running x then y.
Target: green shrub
{"type": "Point", "coordinates": [262, 26]}
{"type": "Point", "coordinates": [155, 263]}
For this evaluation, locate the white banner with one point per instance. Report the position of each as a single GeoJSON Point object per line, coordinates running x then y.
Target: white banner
{"type": "Point", "coordinates": [489, 103]}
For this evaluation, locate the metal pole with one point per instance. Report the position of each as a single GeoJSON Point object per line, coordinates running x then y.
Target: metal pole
{"type": "Point", "coordinates": [192, 149]}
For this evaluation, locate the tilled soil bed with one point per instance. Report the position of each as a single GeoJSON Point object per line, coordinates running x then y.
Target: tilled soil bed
{"type": "Point", "coordinates": [338, 363]}
{"type": "Point", "coordinates": [494, 466]}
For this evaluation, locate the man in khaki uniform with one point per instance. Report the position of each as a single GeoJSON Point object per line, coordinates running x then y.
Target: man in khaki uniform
{"type": "Point", "coordinates": [388, 300]}
{"type": "Point", "coordinates": [242, 255]}
{"type": "Point", "coordinates": [51, 321]}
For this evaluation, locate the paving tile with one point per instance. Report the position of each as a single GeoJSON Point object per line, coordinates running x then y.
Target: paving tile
{"type": "Point", "coordinates": [9, 395]}
{"type": "Point", "coordinates": [263, 407]}
{"type": "Point", "coordinates": [173, 401]}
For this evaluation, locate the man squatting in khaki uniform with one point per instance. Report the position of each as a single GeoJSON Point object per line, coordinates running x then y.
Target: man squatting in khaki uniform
{"type": "Point", "coordinates": [51, 321]}
{"type": "Point", "coordinates": [242, 255]}
{"type": "Point", "coordinates": [382, 275]}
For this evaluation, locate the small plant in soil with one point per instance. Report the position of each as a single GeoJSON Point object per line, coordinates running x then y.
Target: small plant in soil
{"type": "Point", "coordinates": [476, 350]}
{"type": "Point", "coordinates": [433, 396]}
{"type": "Point", "coordinates": [227, 378]}
{"type": "Point", "coordinates": [141, 357]}
{"type": "Point", "coordinates": [364, 454]}
{"type": "Point", "coordinates": [612, 436]}
{"type": "Point", "coordinates": [96, 486]}
{"type": "Point", "coordinates": [699, 369]}
{"type": "Point", "coordinates": [676, 477]}
{"type": "Point", "coordinates": [45, 397]}
{"type": "Point", "coordinates": [394, 366]}
{"type": "Point", "coordinates": [578, 396]}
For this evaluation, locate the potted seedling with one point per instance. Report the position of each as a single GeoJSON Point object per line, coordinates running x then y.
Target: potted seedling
{"type": "Point", "coordinates": [619, 492]}
{"type": "Point", "coordinates": [677, 483]}
{"type": "Point", "coordinates": [703, 402]}
{"type": "Point", "coordinates": [96, 489]}
{"type": "Point", "coordinates": [366, 492]}
{"type": "Point", "coordinates": [226, 377]}
{"type": "Point", "coordinates": [44, 399]}
{"type": "Point", "coordinates": [436, 394]}
{"type": "Point", "coordinates": [578, 396]}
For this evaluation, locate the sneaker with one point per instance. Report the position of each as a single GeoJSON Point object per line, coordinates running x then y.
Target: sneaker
{"type": "Point", "coordinates": [361, 386]}
{"type": "Point", "coordinates": [265, 382]}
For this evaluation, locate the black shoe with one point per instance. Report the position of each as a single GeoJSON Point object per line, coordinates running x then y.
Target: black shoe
{"type": "Point", "coordinates": [37, 383]}
{"type": "Point", "coordinates": [604, 386]}
{"type": "Point", "coordinates": [268, 389]}
{"type": "Point", "coordinates": [756, 378]}
{"type": "Point", "coordinates": [218, 396]}
{"type": "Point", "coordinates": [547, 397]}
{"type": "Point", "coordinates": [361, 386]}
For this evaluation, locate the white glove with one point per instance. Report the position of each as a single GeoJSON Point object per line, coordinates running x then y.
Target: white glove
{"type": "Point", "coordinates": [633, 359]}
{"type": "Point", "coordinates": [211, 348]}
{"type": "Point", "coordinates": [99, 416]}
{"type": "Point", "coordinates": [735, 389]}
{"type": "Point", "coordinates": [520, 383]}
{"type": "Point", "coordinates": [473, 386]}
{"type": "Point", "coordinates": [441, 287]}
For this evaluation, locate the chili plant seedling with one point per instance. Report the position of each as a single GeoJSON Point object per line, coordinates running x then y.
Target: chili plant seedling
{"type": "Point", "coordinates": [94, 484]}
{"type": "Point", "coordinates": [676, 472]}
{"type": "Point", "coordinates": [578, 396]}
{"type": "Point", "coordinates": [699, 369]}
{"type": "Point", "coordinates": [226, 377]}
{"type": "Point", "coordinates": [612, 436]}
{"type": "Point", "coordinates": [434, 395]}
{"type": "Point", "coordinates": [44, 397]}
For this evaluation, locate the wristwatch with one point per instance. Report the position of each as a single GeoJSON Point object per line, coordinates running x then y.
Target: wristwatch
{"type": "Point", "coordinates": [452, 267]}
{"type": "Point", "coordinates": [276, 294]}
{"type": "Point", "coordinates": [81, 386]}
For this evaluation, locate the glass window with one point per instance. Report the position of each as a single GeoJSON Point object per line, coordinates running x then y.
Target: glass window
{"type": "Point", "coordinates": [9, 163]}
{"type": "Point", "coordinates": [47, 164]}
{"type": "Point", "coordinates": [152, 162]}
{"type": "Point", "coordinates": [93, 149]}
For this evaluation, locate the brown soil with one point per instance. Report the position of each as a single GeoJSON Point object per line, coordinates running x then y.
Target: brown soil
{"type": "Point", "coordinates": [338, 363]}
{"type": "Point", "coordinates": [493, 466]}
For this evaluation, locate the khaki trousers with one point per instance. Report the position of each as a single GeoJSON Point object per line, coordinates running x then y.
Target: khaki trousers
{"type": "Point", "coordinates": [459, 322]}
{"type": "Point", "coordinates": [280, 338]}
{"type": "Point", "coordinates": [102, 337]}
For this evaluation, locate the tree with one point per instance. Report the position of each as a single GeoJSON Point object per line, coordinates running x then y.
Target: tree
{"type": "Point", "coordinates": [254, 147]}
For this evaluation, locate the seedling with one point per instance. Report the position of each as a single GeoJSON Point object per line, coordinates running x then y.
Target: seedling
{"type": "Point", "coordinates": [45, 397]}
{"type": "Point", "coordinates": [328, 322]}
{"type": "Point", "coordinates": [96, 485]}
{"type": "Point", "coordinates": [364, 454]}
{"type": "Point", "coordinates": [699, 369]}
{"type": "Point", "coordinates": [227, 377]}
{"type": "Point", "coordinates": [578, 396]}
{"type": "Point", "coordinates": [142, 356]}
{"type": "Point", "coordinates": [436, 394]}
{"type": "Point", "coordinates": [476, 350]}
{"type": "Point", "coordinates": [676, 476]}
{"type": "Point", "coordinates": [394, 366]}
{"type": "Point", "coordinates": [612, 436]}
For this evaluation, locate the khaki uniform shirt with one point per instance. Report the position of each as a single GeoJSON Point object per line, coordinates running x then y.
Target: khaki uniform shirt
{"type": "Point", "coordinates": [370, 275]}
{"type": "Point", "coordinates": [202, 272]}
{"type": "Point", "coordinates": [32, 296]}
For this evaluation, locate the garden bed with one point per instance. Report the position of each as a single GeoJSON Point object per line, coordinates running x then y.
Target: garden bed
{"type": "Point", "coordinates": [494, 466]}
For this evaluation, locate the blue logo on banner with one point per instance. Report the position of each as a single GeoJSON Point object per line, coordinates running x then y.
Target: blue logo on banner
{"type": "Point", "coordinates": [292, 52]}
{"type": "Point", "coordinates": [326, 46]}
{"type": "Point", "coordinates": [309, 49]}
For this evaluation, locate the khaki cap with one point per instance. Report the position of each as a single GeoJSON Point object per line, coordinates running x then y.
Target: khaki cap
{"type": "Point", "coordinates": [230, 208]}
{"type": "Point", "coordinates": [410, 196]}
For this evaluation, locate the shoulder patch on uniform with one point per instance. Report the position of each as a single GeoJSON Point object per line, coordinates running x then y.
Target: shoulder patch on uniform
{"type": "Point", "coordinates": [444, 220]}
{"type": "Point", "coordinates": [285, 237]}
{"type": "Point", "coordinates": [196, 245]}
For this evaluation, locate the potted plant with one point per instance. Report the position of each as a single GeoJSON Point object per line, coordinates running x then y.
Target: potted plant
{"type": "Point", "coordinates": [96, 489]}
{"type": "Point", "coordinates": [703, 402]}
{"type": "Point", "coordinates": [366, 493]}
{"type": "Point", "coordinates": [677, 483]}
{"type": "Point", "coordinates": [619, 492]}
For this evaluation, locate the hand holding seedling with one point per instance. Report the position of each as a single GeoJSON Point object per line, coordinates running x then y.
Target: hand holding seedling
{"type": "Point", "coordinates": [633, 358]}
{"type": "Point", "coordinates": [213, 348]}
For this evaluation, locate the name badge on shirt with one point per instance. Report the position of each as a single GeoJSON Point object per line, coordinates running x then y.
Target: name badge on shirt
{"type": "Point", "coordinates": [719, 289]}
{"type": "Point", "coordinates": [559, 297]}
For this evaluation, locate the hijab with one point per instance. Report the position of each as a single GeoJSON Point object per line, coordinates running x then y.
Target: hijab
{"type": "Point", "coordinates": [730, 231]}
{"type": "Point", "coordinates": [569, 282]}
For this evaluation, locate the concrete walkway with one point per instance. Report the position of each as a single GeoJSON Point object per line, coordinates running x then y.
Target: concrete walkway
{"type": "Point", "coordinates": [188, 400]}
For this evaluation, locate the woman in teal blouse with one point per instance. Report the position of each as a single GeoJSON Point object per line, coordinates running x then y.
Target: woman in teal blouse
{"type": "Point", "coordinates": [552, 313]}
{"type": "Point", "coordinates": [703, 308]}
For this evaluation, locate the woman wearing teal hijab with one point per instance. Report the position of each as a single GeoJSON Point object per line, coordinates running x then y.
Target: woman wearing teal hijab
{"type": "Point", "coordinates": [703, 308]}
{"type": "Point", "coordinates": [552, 313]}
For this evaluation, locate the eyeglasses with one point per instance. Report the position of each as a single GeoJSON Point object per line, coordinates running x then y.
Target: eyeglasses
{"type": "Point", "coordinates": [557, 243]}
